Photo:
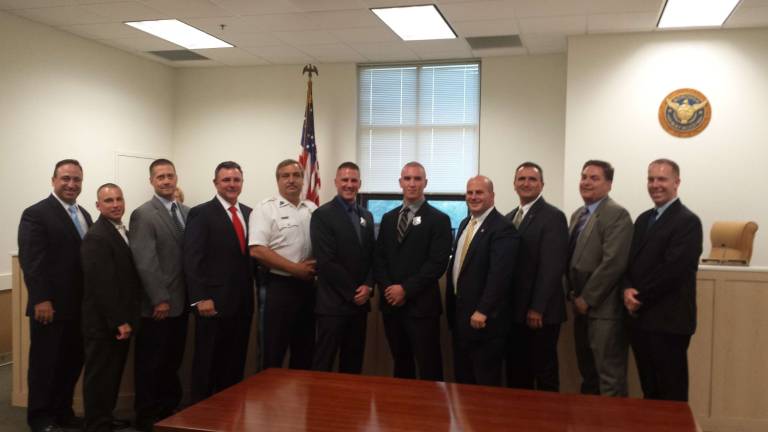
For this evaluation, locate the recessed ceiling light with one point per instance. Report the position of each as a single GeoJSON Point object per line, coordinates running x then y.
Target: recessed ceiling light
{"type": "Point", "coordinates": [696, 13]}
{"type": "Point", "coordinates": [179, 33]}
{"type": "Point", "coordinates": [416, 22]}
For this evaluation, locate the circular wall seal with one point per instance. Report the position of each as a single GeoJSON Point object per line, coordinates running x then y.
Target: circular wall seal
{"type": "Point", "coordinates": [684, 113]}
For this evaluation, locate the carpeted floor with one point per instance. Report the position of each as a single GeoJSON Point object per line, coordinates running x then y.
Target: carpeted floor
{"type": "Point", "coordinates": [13, 419]}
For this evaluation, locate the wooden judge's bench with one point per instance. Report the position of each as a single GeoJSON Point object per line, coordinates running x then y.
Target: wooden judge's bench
{"type": "Point", "coordinates": [728, 356]}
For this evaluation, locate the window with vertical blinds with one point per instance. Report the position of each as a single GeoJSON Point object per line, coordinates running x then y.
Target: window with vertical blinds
{"type": "Point", "coordinates": [427, 113]}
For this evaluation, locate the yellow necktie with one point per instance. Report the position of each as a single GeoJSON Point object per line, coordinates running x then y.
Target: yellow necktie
{"type": "Point", "coordinates": [467, 240]}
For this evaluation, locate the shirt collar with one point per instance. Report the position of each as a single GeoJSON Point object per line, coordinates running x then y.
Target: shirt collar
{"type": "Point", "coordinates": [282, 202]}
{"type": "Point", "coordinates": [528, 206]}
{"type": "Point", "coordinates": [66, 205]}
{"type": "Point", "coordinates": [167, 204]}
{"type": "Point", "coordinates": [415, 206]}
{"type": "Point", "coordinates": [226, 203]}
{"type": "Point", "coordinates": [480, 219]}
{"type": "Point", "coordinates": [346, 205]}
{"type": "Point", "coordinates": [592, 207]}
{"type": "Point", "coordinates": [662, 209]}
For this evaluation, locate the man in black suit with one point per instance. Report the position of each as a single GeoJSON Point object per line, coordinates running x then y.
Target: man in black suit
{"type": "Point", "coordinates": [219, 284]}
{"type": "Point", "coordinates": [479, 284]}
{"type": "Point", "coordinates": [111, 307]}
{"type": "Point", "coordinates": [538, 300]}
{"type": "Point", "coordinates": [412, 252]}
{"type": "Point", "coordinates": [343, 243]}
{"type": "Point", "coordinates": [157, 233]}
{"type": "Point", "coordinates": [50, 234]}
{"type": "Point", "coordinates": [660, 286]}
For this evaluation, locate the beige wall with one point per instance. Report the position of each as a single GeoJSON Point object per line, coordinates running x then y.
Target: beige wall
{"type": "Point", "coordinates": [63, 96]}
{"type": "Point", "coordinates": [615, 86]}
{"type": "Point", "coordinates": [6, 341]}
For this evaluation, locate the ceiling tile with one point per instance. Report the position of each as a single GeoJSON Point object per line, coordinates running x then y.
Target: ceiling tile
{"type": "Point", "coordinates": [545, 43]}
{"type": "Point", "coordinates": [103, 31]}
{"type": "Point", "coordinates": [628, 22]}
{"type": "Point", "coordinates": [281, 54]}
{"type": "Point", "coordinates": [446, 45]}
{"type": "Point", "coordinates": [385, 51]}
{"type": "Point", "coordinates": [541, 8]}
{"type": "Point", "coordinates": [325, 5]}
{"type": "Point", "coordinates": [475, 11]}
{"type": "Point", "coordinates": [61, 16]}
{"type": "Point", "coordinates": [256, 7]}
{"type": "Point", "coordinates": [393, 3]}
{"type": "Point", "coordinates": [343, 19]}
{"type": "Point", "coordinates": [749, 17]}
{"type": "Point", "coordinates": [497, 52]}
{"type": "Point", "coordinates": [306, 37]}
{"type": "Point", "coordinates": [366, 35]}
{"type": "Point", "coordinates": [569, 25]}
{"type": "Point", "coordinates": [486, 28]}
{"type": "Point", "coordinates": [277, 22]}
{"type": "Point", "coordinates": [753, 3]}
{"type": "Point", "coordinates": [333, 53]}
{"type": "Point", "coordinates": [126, 11]}
{"type": "Point", "coordinates": [213, 25]}
{"type": "Point", "coordinates": [31, 4]}
{"type": "Point", "coordinates": [251, 39]}
{"type": "Point", "coordinates": [232, 56]}
{"type": "Point", "coordinates": [623, 6]}
{"type": "Point", "coordinates": [446, 55]}
{"type": "Point", "coordinates": [187, 8]}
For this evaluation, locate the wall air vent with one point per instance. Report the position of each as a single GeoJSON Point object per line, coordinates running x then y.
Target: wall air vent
{"type": "Point", "coordinates": [488, 42]}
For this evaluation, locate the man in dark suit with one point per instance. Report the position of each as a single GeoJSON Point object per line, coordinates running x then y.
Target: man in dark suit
{"type": "Point", "coordinates": [50, 234]}
{"type": "Point", "coordinates": [660, 286]}
{"type": "Point", "coordinates": [412, 252]}
{"type": "Point", "coordinates": [157, 233]}
{"type": "Point", "coordinates": [219, 284]}
{"type": "Point", "coordinates": [343, 244]}
{"type": "Point", "coordinates": [479, 284]}
{"type": "Point", "coordinates": [600, 238]}
{"type": "Point", "coordinates": [538, 299]}
{"type": "Point", "coordinates": [111, 307]}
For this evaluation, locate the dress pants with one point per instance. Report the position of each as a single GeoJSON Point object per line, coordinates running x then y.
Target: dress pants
{"type": "Point", "coordinates": [412, 338]}
{"type": "Point", "coordinates": [531, 357]}
{"type": "Point", "coordinates": [342, 334]}
{"type": "Point", "coordinates": [601, 352]}
{"type": "Point", "coordinates": [55, 361]}
{"type": "Point", "coordinates": [158, 353]}
{"type": "Point", "coordinates": [289, 322]}
{"type": "Point", "coordinates": [479, 362]}
{"type": "Point", "coordinates": [104, 362]}
{"type": "Point", "coordinates": [221, 345]}
{"type": "Point", "coordinates": [662, 363]}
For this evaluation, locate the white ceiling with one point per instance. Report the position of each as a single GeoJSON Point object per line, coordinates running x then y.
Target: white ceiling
{"type": "Point", "coordinates": [333, 31]}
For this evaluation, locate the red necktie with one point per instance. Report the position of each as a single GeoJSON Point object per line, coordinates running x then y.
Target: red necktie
{"type": "Point", "coordinates": [238, 228]}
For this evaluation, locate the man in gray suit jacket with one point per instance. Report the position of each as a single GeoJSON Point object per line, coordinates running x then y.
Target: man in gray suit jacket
{"type": "Point", "coordinates": [600, 238]}
{"type": "Point", "coordinates": [157, 230]}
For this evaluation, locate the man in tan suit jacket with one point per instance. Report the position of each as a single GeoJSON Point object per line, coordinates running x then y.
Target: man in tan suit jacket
{"type": "Point", "coordinates": [600, 238]}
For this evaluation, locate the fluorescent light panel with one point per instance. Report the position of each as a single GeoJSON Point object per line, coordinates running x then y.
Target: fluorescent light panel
{"type": "Point", "coordinates": [416, 22]}
{"type": "Point", "coordinates": [696, 13]}
{"type": "Point", "coordinates": [179, 33]}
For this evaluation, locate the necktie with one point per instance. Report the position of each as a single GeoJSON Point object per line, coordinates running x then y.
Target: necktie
{"type": "Point", "coordinates": [580, 223]}
{"type": "Point", "coordinates": [467, 240]}
{"type": "Point", "coordinates": [652, 220]}
{"type": "Point", "coordinates": [76, 220]}
{"type": "Point", "coordinates": [518, 219]}
{"type": "Point", "coordinates": [238, 228]}
{"type": "Point", "coordinates": [355, 218]}
{"type": "Point", "coordinates": [123, 232]}
{"type": "Point", "coordinates": [175, 216]}
{"type": "Point", "coordinates": [402, 224]}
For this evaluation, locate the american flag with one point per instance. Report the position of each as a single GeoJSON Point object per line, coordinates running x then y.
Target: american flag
{"type": "Point", "coordinates": [308, 156]}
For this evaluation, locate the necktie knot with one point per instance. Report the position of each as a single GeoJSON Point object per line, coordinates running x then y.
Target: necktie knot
{"type": "Point", "coordinates": [239, 230]}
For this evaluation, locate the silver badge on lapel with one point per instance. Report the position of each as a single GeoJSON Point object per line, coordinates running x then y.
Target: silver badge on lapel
{"type": "Point", "coordinates": [362, 221]}
{"type": "Point", "coordinates": [416, 220]}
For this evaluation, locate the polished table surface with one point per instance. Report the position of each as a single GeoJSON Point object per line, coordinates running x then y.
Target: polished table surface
{"type": "Point", "coordinates": [286, 400]}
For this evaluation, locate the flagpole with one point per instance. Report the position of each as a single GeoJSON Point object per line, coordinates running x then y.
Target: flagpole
{"type": "Point", "coordinates": [308, 156]}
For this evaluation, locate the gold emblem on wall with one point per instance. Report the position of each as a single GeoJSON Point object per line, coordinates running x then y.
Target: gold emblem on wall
{"type": "Point", "coordinates": [685, 113]}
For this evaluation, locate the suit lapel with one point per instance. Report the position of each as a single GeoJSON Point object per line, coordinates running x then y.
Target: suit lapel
{"type": "Point", "coordinates": [477, 238]}
{"type": "Point", "coordinates": [587, 231]}
{"type": "Point", "coordinates": [529, 217]}
{"type": "Point", "coordinates": [223, 216]}
{"type": "Point", "coordinates": [341, 213]}
{"type": "Point", "coordinates": [162, 213]}
{"type": "Point", "coordinates": [647, 233]}
{"type": "Point", "coordinates": [64, 218]}
{"type": "Point", "coordinates": [419, 214]}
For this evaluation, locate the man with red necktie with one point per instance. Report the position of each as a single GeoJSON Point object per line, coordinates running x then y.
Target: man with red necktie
{"type": "Point", "coordinates": [219, 284]}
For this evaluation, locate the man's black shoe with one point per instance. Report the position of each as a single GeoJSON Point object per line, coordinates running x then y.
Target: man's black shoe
{"type": "Point", "coordinates": [73, 422]}
{"type": "Point", "coordinates": [48, 428]}
{"type": "Point", "coordinates": [119, 424]}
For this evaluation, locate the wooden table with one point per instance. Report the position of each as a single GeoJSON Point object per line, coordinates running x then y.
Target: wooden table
{"type": "Point", "coordinates": [286, 400]}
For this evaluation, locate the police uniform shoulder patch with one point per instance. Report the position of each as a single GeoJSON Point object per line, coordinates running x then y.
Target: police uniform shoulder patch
{"type": "Point", "coordinates": [685, 113]}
